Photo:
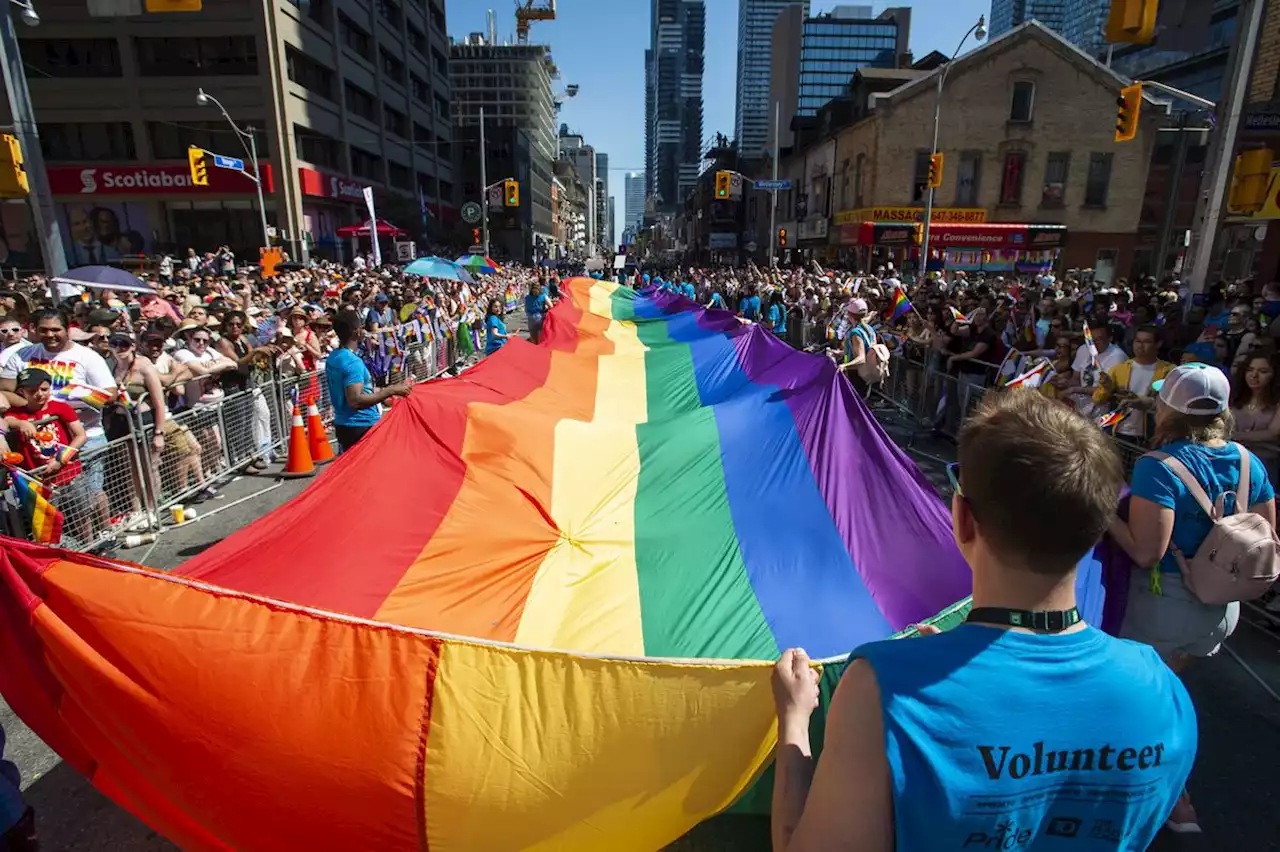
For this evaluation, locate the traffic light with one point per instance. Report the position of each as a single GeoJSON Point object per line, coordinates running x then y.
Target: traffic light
{"type": "Point", "coordinates": [724, 182]}
{"type": "Point", "coordinates": [511, 193]}
{"type": "Point", "coordinates": [917, 233]}
{"type": "Point", "coordinates": [1128, 109]}
{"type": "Point", "coordinates": [1132, 21]}
{"type": "Point", "coordinates": [1250, 181]}
{"type": "Point", "coordinates": [174, 5]}
{"type": "Point", "coordinates": [935, 170]}
{"type": "Point", "coordinates": [475, 236]}
{"type": "Point", "coordinates": [782, 238]}
{"type": "Point", "coordinates": [13, 173]}
{"type": "Point", "coordinates": [199, 168]}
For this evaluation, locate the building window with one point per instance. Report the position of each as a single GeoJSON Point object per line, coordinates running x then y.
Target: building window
{"type": "Point", "coordinates": [423, 138]}
{"type": "Point", "coordinates": [318, 149]}
{"type": "Point", "coordinates": [366, 165]}
{"type": "Point", "coordinates": [1024, 95]}
{"type": "Point", "coordinates": [355, 38]}
{"type": "Point", "coordinates": [441, 64]}
{"type": "Point", "coordinates": [359, 101]}
{"type": "Point", "coordinates": [442, 107]}
{"type": "Point", "coordinates": [89, 141]}
{"type": "Point", "coordinates": [1055, 179]}
{"type": "Point", "coordinates": [392, 67]}
{"type": "Point", "coordinates": [308, 73]}
{"type": "Point", "coordinates": [170, 140]}
{"type": "Point", "coordinates": [395, 122]}
{"type": "Point", "coordinates": [399, 177]}
{"type": "Point", "coordinates": [391, 13]}
{"type": "Point", "coordinates": [920, 182]}
{"type": "Point", "coordinates": [1011, 178]}
{"type": "Point", "coordinates": [417, 39]}
{"type": "Point", "coordinates": [197, 57]}
{"type": "Point", "coordinates": [314, 10]}
{"type": "Point", "coordinates": [421, 91]}
{"type": "Point", "coordinates": [859, 179]}
{"type": "Point", "coordinates": [1098, 180]}
{"type": "Point", "coordinates": [71, 57]}
{"type": "Point", "coordinates": [968, 175]}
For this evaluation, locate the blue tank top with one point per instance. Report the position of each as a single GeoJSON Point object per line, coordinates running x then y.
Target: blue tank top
{"type": "Point", "coordinates": [1076, 742]}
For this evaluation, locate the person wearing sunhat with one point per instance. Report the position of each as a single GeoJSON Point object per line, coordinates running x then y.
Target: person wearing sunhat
{"type": "Point", "coordinates": [1193, 425]}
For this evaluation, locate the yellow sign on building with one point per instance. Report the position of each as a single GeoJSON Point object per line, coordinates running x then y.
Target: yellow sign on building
{"type": "Point", "coordinates": [941, 215]}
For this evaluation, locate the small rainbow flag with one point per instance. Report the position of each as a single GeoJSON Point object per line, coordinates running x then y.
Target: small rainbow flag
{"type": "Point", "coordinates": [1108, 420]}
{"type": "Point", "coordinates": [956, 315]}
{"type": "Point", "coordinates": [33, 497]}
{"type": "Point", "coordinates": [89, 395]}
{"type": "Point", "coordinates": [901, 304]}
{"type": "Point", "coordinates": [1034, 375]}
{"type": "Point", "coordinates": [1093, 348]}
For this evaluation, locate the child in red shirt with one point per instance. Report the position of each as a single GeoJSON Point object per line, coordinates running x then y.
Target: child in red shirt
{"type": "Point", "coordinates": [49, 449]}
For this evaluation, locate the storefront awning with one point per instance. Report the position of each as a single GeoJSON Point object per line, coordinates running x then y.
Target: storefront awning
{"type": "Point", "coordinates": [1004, 236]}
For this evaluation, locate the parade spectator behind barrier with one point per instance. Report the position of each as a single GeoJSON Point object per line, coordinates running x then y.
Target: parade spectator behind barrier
{"type": "Point", "coordinates": [536, 304]}
{"type": "Point", "coordinates": [13, 336]}
{"type": "Point", "coordinates": [1255, 408]}
{"type": "Point", "coordinates": [252, 371]}
{"type": "Point", "coordinates": [1034, 489]}
{"type": "Point", "coordinates": [1128, 386]}
{"type": "Point", "coordinates": [355, 402]}
{"type": "Point", "coordinates": [204, 362]}
{"type": "Point", "coordinates": [1193, 424]}
{"type": "Point", "coordinates": [1088, 368]}
{"type": "Point", "coordinates": [304, 338]}
{"type": "Point", "coordinates": [14, 305]}
{"type": "Point", "coordinates": [495, 330]}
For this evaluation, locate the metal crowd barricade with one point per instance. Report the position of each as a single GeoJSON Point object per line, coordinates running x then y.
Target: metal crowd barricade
{"type": "Point", "coordinates": [128, 486]}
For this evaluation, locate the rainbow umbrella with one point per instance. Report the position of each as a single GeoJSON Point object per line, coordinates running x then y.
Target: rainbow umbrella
{"type": "Point", "coordinates": [536, 607]}
{"type": "Point", "coordinates": [478, 263]}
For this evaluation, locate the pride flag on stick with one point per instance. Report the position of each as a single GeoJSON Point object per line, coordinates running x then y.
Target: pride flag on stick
{"type": "Point", "coordinates": [901, 305]}
{"type": "Point", "coordinates": [1111, 419]}
{"type": "Point", "coordinates": [93, 397]}
{"type": "Point", "coordinates": [1031, 378]}
{"type": "Point", "coordinates": [33, 497]}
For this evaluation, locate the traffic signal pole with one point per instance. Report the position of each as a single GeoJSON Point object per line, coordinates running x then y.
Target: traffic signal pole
{"type": "Point", "coordinates": [484, 193]}
{"type": "Point", "coordinates": [1208, 215]}
{"type": "Point", "coordinates": [42, 211]}
{"type": "Point", "coordinates": [773, 203]}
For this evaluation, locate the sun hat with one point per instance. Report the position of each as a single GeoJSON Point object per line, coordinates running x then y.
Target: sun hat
{"type": "Point", "coordinates": [1195, 389]}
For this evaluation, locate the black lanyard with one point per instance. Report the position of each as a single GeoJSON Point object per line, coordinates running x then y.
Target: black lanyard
{"type": "Point", "coordinates": [1054, 621]}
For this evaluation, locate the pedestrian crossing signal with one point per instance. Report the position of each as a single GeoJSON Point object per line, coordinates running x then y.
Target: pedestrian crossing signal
{"type": "Point", "coordinates": [782, 237]}
{"type": "Point", "coordinates": [1128, 110]}
{"type": "Point", "coordinates": [199, 168]}
{"type": "Point", "coordinates": [511, 193]}
{"type": "Point", "coordinates": [13, 171]}
{"type": "Point", "coordinates": [935, 170]}
{"type": "Point", "coordinates": [724, 183]}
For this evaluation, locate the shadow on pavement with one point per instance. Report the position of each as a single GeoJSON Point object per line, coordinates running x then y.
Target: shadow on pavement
{"type": "Point", "coordinates": [71, 814]}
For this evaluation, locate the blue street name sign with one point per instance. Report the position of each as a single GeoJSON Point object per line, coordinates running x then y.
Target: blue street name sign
{"type": "Point", "coordinates": [779, 185]}
{"type": "Point", "coordinates": [228, 163]}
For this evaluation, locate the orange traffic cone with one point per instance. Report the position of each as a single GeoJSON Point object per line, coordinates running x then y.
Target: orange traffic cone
{"type": "Point", "coordinates": [299, 463]}
{"type": "Point", "coordinates": [321, 449]}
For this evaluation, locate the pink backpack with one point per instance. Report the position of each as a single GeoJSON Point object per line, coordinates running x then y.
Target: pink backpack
{"type": "Point", "coordinates": [1240, 558]}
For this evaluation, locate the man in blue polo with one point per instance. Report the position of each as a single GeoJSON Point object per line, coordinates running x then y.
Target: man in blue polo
{"type": "Point", "coordinates": [355, 402]}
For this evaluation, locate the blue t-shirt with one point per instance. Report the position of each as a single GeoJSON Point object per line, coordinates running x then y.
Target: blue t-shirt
{"type": "Point", "coordinates": [342, 368]}
{"type": "Point", "coordinates": [493, 326]}
{"type": "Point", "coordinates": [535, 306]}
{"type": "Point", "coordinates": [778, 319]}
{"type": "Point", "coordinates": [717, 301]}
{"type": "Point", "coordinates": [687, 290]}
{"type": "Point", "coordinates": [1074, 742]}
{"type": "Point", "coordinates": [749, 307]}
{"type": "Point", "coordinates": [1217, 469]}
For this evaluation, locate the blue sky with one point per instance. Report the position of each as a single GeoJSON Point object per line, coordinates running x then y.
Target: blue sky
{"type": "Point", "coordinates": [600, 44]}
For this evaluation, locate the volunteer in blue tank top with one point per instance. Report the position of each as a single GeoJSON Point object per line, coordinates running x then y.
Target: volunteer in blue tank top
{"type": "Point", "coordinates": [991, 735]}
{"type": "Point", "coordinates": [1193, 422]}
{"type": "Point", "coordinates": [777, 316]}
{"type": "Point", "coordinates": [495, 330]}
{"type": "Point", "coordinates": [749, 304]}
{"type": "Point", "coordinates": [858, 340]}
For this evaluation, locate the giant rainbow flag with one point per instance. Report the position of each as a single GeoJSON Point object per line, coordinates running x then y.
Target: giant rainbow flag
{"type": "Point", "coordinates": [535, 608]}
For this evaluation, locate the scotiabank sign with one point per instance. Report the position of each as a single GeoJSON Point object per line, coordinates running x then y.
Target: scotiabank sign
{"type": "Point", "coordinates": [151, 180]}
{"type": "Point", "coordinates": [329, 186]}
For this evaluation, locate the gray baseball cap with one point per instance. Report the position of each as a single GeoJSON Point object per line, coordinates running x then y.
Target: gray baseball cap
{"type": "Point", "coordinates": [1195, 389]}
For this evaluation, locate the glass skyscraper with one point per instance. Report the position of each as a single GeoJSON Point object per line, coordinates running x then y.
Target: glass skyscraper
{"type": "Point", "coordinates": [837, 44]}
{"type": "Point", "coordinates": [673, 99]}
{"type": "Point", "coordinates": [1083, 22]}
{"type": "Point", "coordinates": [1007, 14]}
{"type": "Point", "coordinates": [755, 45]}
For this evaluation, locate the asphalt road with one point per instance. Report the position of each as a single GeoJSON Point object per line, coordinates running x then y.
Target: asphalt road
{"type": "Point", "coordinates": [1234, 783]}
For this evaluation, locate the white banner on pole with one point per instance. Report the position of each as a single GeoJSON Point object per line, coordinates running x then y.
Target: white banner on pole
{"type": "Point", "coordinates": [373, 226]}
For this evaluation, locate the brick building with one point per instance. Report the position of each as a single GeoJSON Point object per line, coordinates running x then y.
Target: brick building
{"type": "Point", "coordinates": [1027, 129]}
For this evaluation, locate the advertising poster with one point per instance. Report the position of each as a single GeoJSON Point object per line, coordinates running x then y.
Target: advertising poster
{"type": "Point", "coordinates": [18, 245]}
{"type": "Point", "coordinates": [103, 232]}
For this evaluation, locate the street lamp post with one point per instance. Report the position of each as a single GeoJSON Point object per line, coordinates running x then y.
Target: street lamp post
{"type": "Point", "coordinates": [15, 82]}
{"type": "Point", "coordinates": [203, 98]}
{"type": "Point", "coordinates": [978, 31]}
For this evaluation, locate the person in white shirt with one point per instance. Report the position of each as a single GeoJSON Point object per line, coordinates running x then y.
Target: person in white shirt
{"type": "Point", "coordinates": [12, 338]}
{"type": "Point", "coordinates": [205, 363]}
{"type": "Point", "coordinates": [1087, 368]}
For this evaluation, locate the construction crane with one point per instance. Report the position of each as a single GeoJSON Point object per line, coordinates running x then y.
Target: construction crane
{"type": "Point", "coordinates": [530, 11]}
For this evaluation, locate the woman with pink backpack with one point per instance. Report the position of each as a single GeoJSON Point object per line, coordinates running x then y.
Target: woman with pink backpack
{"type": "Point", "coordinates": [1201, 530]}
